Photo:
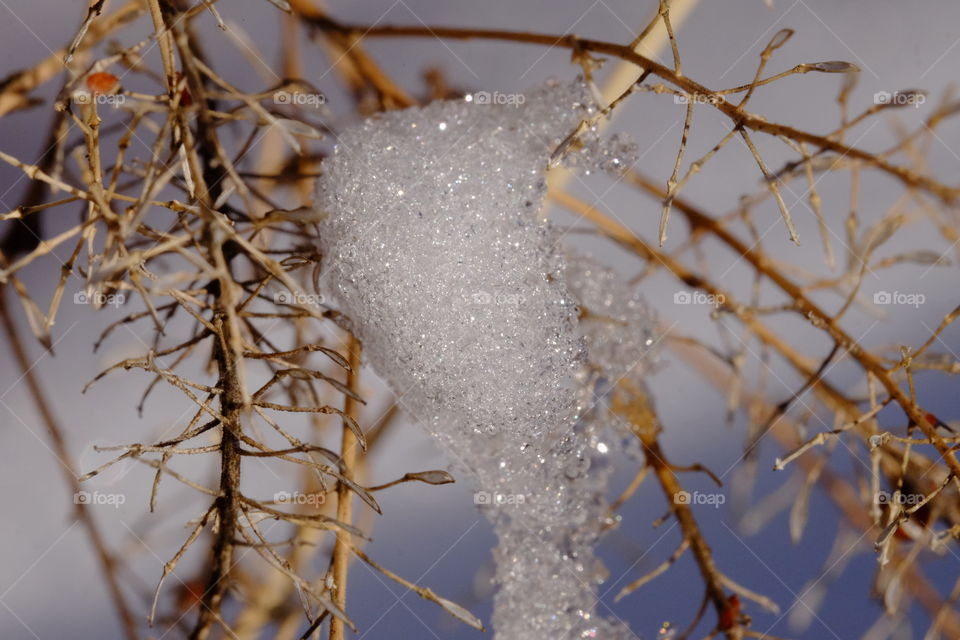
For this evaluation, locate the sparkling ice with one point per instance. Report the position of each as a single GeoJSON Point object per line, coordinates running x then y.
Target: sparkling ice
{"type": "Point", "coordinates": [465, 304]}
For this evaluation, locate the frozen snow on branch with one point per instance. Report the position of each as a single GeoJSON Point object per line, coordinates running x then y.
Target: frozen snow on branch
{"type": "Point", "coordinates": [434, 251]}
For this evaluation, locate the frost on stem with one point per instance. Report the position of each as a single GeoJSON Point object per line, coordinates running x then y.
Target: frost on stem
{"type": "Point", "coordinates": [463, 301]}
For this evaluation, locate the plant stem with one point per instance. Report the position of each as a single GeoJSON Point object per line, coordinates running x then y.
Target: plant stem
{"type": "Point", "coordinates": [740, 117]}
{"type": "Point", "coordinates": [348, 454]}
{"type": "Point", "coordinates": [227, 503]}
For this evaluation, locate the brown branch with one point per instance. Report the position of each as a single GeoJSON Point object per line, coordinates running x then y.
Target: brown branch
{"type": "Point", "coordinates": [835, 487]}
{"type": "Point", "coordinates": [739, 117]}
{"type": "Point", "coordinates": [633, 405]}
{"type": "Point", "coordinates": [227, 502]}
{"type": "Point", "coordinates": [348, 454]}
{"type": "Point", "coordinates": [808, 309]}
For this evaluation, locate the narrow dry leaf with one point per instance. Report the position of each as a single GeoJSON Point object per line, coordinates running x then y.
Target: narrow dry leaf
{"type": "Point", "coordinates": [779, 39]}
{"type": "Point", "coordinates": [833, 66]}
{"type": "Point", "coordinates": [458, 612]}
{"type": "Point", "coordinates": [437, 476]}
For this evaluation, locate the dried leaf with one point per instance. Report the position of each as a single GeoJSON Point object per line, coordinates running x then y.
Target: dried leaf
{"type": "Point", "coordinates": [437, 476]}
{"type": "Point", "coordinates": [778, 40]}
{"type": "Point", "coordinates": [355, 428]}
{"type": "Point", "coordinates": [360, 491]}
{"type": "Point", "coordinates": [459, 612]}
{"type": "Point", "coordinates": [832, 66]}
{"type": "Point", "coordinates": [333, 355]}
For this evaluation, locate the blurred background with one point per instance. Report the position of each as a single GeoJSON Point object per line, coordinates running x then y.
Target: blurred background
{"type": "Point", "coordinates": [50, 585]}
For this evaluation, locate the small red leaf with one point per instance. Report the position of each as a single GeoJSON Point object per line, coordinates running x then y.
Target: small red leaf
{"type": "Point", "coordinates": [730, 616]}
{"type": "Point", "coordinates": [103, 82]}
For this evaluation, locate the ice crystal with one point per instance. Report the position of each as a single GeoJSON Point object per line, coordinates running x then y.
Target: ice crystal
{"type": "Point", "coordinates": [461, 296]}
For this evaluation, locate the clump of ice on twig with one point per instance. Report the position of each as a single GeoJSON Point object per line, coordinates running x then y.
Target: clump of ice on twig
{"type": "Point", "coordinates": [433, 250]}
{"type": "Point", "coordinates": [619, 331]}
{"type": "Point", "coordinates": [546, 566]}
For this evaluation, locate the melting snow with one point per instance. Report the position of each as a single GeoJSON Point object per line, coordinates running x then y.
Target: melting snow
{"type": "Point", "coordinates": [466, 305]}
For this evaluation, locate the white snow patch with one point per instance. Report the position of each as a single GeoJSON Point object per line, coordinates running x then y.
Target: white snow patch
{"type": "Point", "coordinates": [465, 306]}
